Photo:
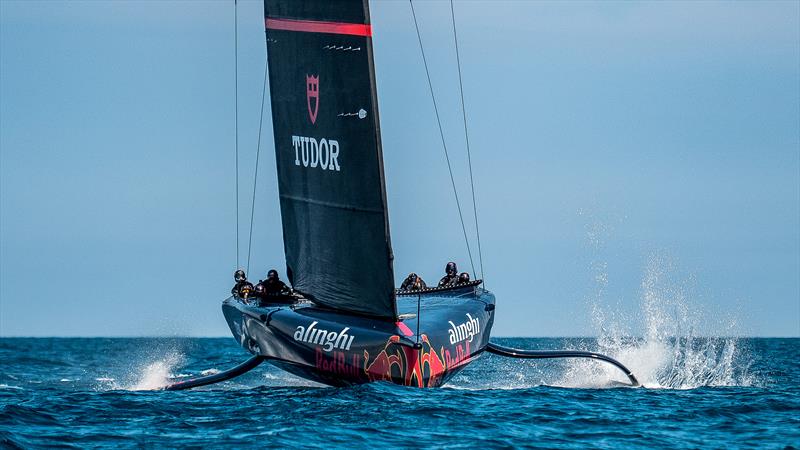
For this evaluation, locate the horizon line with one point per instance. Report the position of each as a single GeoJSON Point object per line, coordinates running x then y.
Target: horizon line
{"type": "Point", "coordinates": [501, 337]}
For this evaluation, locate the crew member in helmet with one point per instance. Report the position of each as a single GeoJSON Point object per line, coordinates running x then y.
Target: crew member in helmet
{"type": "Point", "coordinates": [413, 282]}
{"type": "Point", "coordinates": [272, 286]}
{"type": "Point", "coordinates": [451, 275]}
{"type": "Point", "coordinates": [242, 288]}
{"type": "Point", "coordinates": [463, 278]}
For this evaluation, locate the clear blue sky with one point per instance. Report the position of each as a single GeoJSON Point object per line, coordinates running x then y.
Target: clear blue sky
{"type": "Point", "coordinates": [611, 141]}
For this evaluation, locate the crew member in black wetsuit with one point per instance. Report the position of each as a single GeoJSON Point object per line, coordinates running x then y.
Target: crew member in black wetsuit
{"type": "Point", "coordinates": [413, 282]}
{"type": "Point", "coordinates": [451, 275]}
{"type": "Point", "coordinates": [272, 286]}
{"type": "Point", "coordinates": [463, 278]}
{"type": "Point", "coordinates": [242, 288]}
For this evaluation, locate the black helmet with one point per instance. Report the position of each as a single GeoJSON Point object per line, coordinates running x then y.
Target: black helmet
{"type": "Point", "coordinates": [239, 275]}
{"type": "Point", "coordinates": [463, 278]}
{"type": "Point", "coordinates": [272, 274]}
{"type": "Point", "coordinates": [259, 288]}
{"type": "Point", "coordinates": [451, 268]}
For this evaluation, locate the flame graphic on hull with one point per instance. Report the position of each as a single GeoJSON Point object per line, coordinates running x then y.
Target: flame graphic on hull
{"type": "Point", "coordinates": [414, 367]}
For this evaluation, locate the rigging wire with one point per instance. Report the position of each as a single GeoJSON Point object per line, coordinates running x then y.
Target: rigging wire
{"type": "Point", "coordinates": [236, 118]}
{"type": "Point", "coordinates": [441, 134]}
{"type": "Point", "coordinates": [466, 138]}
{"type": "Point", "coordinates": [255, 175]}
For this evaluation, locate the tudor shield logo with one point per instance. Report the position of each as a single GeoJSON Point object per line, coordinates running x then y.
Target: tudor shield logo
{"type": "Point", "coordinates": [312, 96]}
{"type": "Point", "coordinates": [315, 152]}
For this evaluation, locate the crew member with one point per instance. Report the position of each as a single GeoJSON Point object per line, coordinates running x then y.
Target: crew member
{"type": "Point", "coordinates": [242, 288]}
{"type": "Point", "coordinates": [272, 285]}
{"type": "Point", "coordinates": [413, 282]}
{"type": "Point", "coordinates": [463, 278]}
{"type": "Point", "coordinates": [451, 275]}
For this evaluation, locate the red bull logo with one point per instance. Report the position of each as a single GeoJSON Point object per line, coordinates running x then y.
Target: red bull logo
{"type": "Point", "coordinates": [338, 364]}
{"type": "Point", "coordinates": [461, 357]}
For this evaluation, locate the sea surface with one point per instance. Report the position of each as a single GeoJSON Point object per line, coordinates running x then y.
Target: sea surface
{"type": "Point", "coordinates": [698, 393]}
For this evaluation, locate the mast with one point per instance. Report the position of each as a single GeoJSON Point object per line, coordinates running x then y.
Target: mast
{"type": "Point", "coordinates": [328, 151]}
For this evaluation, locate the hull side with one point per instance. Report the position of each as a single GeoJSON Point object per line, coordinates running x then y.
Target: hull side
{"type": "Point", "coordinates": [342, 349]}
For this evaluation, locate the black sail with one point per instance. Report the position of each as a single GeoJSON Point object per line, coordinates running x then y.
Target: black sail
{"type": "Point", "coordinates": [328, 150]}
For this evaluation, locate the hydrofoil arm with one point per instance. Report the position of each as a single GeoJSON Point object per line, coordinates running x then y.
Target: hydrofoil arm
{"type": "Point", "coordinates": [244, 367]}
{"type": "Point", "coordinates": [551, 354]}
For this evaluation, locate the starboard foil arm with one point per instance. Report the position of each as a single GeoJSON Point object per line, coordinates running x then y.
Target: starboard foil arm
{"type": "Point", "coordinates": [552, 354]}
{"type": "Point", "coordinates": [233, 372]}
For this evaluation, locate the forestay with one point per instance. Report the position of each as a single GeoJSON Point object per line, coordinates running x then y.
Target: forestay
{"type": "Point", "coordinates": [328, 150]}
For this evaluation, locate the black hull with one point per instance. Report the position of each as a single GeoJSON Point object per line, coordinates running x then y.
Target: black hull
{"type": "Point", "coordinates": [340, 349]}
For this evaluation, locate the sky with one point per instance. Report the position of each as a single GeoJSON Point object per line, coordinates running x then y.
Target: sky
{"type": "Point", "coordinates": [624, 153]}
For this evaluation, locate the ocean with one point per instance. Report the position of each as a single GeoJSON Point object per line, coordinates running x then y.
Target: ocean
{"type": "Point", "coordinates": [698, 393]}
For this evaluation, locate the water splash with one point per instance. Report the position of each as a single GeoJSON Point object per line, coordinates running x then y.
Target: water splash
{"type": "Point", "coordinates": [152, 374]}
{"type": "Point", "coordinates": [671, 354]}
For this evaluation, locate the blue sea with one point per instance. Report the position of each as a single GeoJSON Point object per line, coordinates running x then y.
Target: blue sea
{"type": "Point", "coordinates": [698, 393]}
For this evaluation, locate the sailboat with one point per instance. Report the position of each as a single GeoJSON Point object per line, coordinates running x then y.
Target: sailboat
{"type": "Point", "coordinates": [345, 322]}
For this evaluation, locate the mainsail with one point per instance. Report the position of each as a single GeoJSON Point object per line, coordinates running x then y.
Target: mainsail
{"type": "Point", "coordinates": [328, 150]}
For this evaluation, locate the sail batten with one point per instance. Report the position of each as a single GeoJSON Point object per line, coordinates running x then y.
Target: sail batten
{"type": "Point", "coordinates": [328, 153]}
{"type": "Point", "coordinates": [332, 204]}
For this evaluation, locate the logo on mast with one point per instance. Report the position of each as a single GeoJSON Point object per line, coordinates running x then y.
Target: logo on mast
{"type": "Point", "coordinates": [312, 96]}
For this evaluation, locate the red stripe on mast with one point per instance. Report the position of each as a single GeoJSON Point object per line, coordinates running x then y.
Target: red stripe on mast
{"type": "Point", "coordinates": [313, 26]}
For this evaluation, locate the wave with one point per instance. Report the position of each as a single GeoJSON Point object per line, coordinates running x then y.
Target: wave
{"type": "Point", "coordinates": [13, 414]}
